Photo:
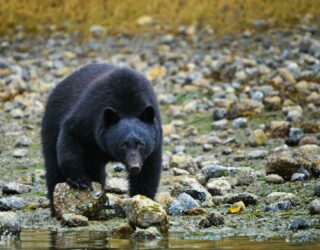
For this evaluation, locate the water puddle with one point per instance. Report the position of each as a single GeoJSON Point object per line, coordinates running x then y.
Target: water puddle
{"type": "Point", "coordinates": [43, 239]}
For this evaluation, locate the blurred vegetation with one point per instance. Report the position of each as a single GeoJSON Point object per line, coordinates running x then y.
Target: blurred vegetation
{"type": "Point", "coordinates": [43, 16]}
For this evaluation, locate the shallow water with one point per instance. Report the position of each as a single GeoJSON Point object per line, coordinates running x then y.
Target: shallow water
{"type": "Point", "coordinates": [42, 239]}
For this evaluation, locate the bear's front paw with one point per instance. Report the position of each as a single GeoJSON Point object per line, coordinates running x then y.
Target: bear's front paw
{"type": "Point", "coordinates": [82, 182]}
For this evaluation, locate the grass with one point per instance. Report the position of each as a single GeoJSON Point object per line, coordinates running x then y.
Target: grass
{"type": "Point", "coordinates": [38, 16]}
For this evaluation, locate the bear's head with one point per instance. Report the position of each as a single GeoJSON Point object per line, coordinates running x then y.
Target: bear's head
{"type": "Point", "coordinates": [129, 140]}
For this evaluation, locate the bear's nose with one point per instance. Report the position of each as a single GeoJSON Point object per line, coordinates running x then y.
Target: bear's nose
{"type": "Point", "coordinates": [134, 170]}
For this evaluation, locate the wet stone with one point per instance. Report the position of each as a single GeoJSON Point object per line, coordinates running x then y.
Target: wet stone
{"type": "Point", "coordinates": [12, 203]}
{"type": "Point", "coordinates": [179, 149]}
{"type": "Point", "coordinates": [219, 113]}
{"type": "Point", "coordinates": [299, 177]}
{"type": "Point", "coordinates": [123, 231]}
{"type": "Point", "coordinates": [143, 212]}
{"type": "Point", "coordinates": [74, 220]}
{"type": "Point", "coordinates": [240, 122]}
{"type": "Point", "coordinates": [282, 196]}
{"type": "Point", "coordinates": [277, 206]}
{"type": "Point", "coordinates": [213, 219]}
{"type": "Point", "coordinates": [9, 224]}
{"type": "Point", "coordinates": [182, 204]}
{"type": "Point", "coordinates": [151, 233]}
{"type": "Point", "coordinates": [220, 125]}
{"type": "Point", "coordinates": [84, 202]}
{"type": "Point", "coordinates": [218, 186]}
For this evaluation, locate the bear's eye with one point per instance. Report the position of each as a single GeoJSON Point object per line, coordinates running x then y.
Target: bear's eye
{"type": "Point", "coordinates": [123, 146]}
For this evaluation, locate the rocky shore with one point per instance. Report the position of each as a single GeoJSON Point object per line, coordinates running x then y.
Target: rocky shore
{"type": "Point", "coordinates": [241, 132]}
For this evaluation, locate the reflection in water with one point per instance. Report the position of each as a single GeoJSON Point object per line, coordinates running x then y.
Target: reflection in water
{"type": "Point", "coordinates": [43, 239]}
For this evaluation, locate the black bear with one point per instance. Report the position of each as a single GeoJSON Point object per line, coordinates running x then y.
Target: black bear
{"type": "Point", "coordinates": [98, 114]}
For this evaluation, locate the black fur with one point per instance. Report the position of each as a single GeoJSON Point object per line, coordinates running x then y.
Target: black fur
{"type": "Point", "coordinates": [98, 114]}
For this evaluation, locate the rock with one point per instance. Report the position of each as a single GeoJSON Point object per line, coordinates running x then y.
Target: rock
{"type": "Point", "coordinates": [164, 199]}
{"type": "Point", "coordinates": [179, 149]}
{"type": "Point", "coordinates": [88, 203]}
{"type": "Point", "coordinates": [20, 152]}
{"type": "Point", "coordinates": [244, 176]}
{"type": "Point", "coordinates": [17, 113]}
{"type": "Point", "coordinates": [314, 207]}
{"type": "Point", "coordinates": [207, 147]}
{"type": "Point", "coordinates": [246, 108]}
{"type": "Point", "coordinates": [12, 203]}
{"type": "Point", "coordinates": [151, 233]}
{"type": "Point", "coordinates": [182, 204]}
{"type": "Point", "coordinates": [295, 135]}
{"type": "Point", "coordinates": [220, 125]}
{"type": "Point", "coordinates": [258, 154]}
{"type": "Point", "coordinates": [178, 171]}
{"type": "Point", "coordinates": [185, 162]}
{"type": "Point", "coordinates": [257, 138]}
{"type": "Point", "coordinates": [299, 223]}
{"type": "Point", "coordinates": [279, 129]}
{"type": "Point", "coordinates": [298, 177]}
{"type": "Point", "coordinates": [246, 198]}
{"type": "Point", "coordinates": [309, 140]}
{"type": "Point", "coordinates": [116, 185]}
{"type": "Point", "coordinates": [317, 189]}
{"type": "Point", "coordinates": [272, 102]}
{"type": "Point", "coordinates": [9, 224]}
{"type": "Point", "coordinates": [185, 184]}
{"type": "Point", "coordinates": [236, 207]}
{"type": "Point", "coordinates": [240, 122]}
{"type": "Point", "coordinates": [214, 171]}
{"type": "Point", "coordinates": [123, 231]}
{"type": "Point", "coordinates": [15, 188]}
{"type": "Point", "coordinates": [213, 219]}
{"type": "Point", "coordinates": [277, 206]}
{"type": "Point", "coordinates": [23, 141]}
{"type": "Point", "coordinates": [282, 196]}
{"type": "Point", "coordinates": [196, 211]}
{"type": "Point", "coordinates": [219, 113]}
{"type": "Point", "coordinates": [98, 31]}
{"type": "Point", "coordinates": [287, 163]}
{"type": "Point", "coordinates": [74, 220]}
{"type": "Point", "coordinates": [143, 212]}
{"type": "Point", "coordinates": [218, 186]}
{"type": "Point", "coordinates": [274, 179]}
{"type": "Point", "coordinates": [114, 203]}
{"type": "Point", "coordinates": [310, 149]}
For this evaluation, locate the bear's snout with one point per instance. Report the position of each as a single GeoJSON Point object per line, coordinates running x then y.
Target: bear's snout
{"type": "Point", "coordinates": [133, 161]}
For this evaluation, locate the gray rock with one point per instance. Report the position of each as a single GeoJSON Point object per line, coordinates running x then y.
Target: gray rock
{"type": "Point", "coordinates": [12, 203]}
{"type": "Point", "coordinates": [219, 113]}
{"type": "Point", "coordinates": [74, 220]}
{"type": "Point", "coordinates": [220, 125]}
{"type": "Point", "coordinates": [185, 184]}
{"type": "Point", "coordinates": [214, 171]}
{"type": "Point", "coordinates": [257, 154]}
{"type": "Point", "coordinates": [17, 113]}
{"type": "Point", "coordinates": [282, 196]}
{"type": "Point", "coordinates": [20, 152]}
{"type": "Point", "coordinates": [298, 177]}
{"type": "Point", "coordinates": [84, 202]}
{"type": "Point", "coordinates": [277, 206]}
{"type": "Point", "coordinates": [218, 186]}
{"type": "Point", "coordinates": [23, 141]}
{"type": "Point", "coordinates": [212, 219]}
{"type": "Point", "coordinates": [299, 223]}
{"type": "Point", "coordinates": [15, 188]}
{"type": "Point", "coordinates": [314, 207]}
{"type": "Point", "coordinates": [257, 138]}
{"type": "Point", "coordinates": [240, 122]}
{"type": "Point", "coordinates": [116, 185]}
{"type": "Point", "coordinates": [98, 31]}
{"type": "Point", "coordinates": [9, 224]}
{"type": "Point", "coordinates": [179, 149]}
{"type": "Point", "coordinates": [183, 161]}
{"type": "Point", "coordinates": [182, 204]}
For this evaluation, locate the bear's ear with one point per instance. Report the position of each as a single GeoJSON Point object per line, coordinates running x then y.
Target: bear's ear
{"type": "Point", "coordinates": [110, 116]}
{"type": "Point", "coordinates": [147, 115]}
